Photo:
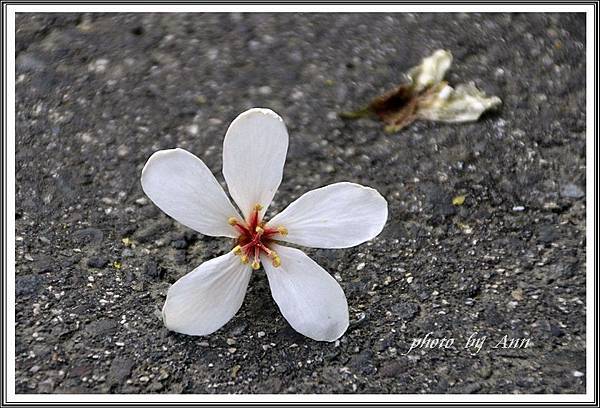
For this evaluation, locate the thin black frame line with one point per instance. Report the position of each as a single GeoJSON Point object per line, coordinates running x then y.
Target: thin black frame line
{"type": "Point", "coordinates": [595, 201]}
{"type": "Point", "coordinates": [4, 207]}
{"type": "Point", "coordinates": [331, 2]}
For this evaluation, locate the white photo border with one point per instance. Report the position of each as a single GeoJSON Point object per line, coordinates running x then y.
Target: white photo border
{"type": "Point", "coordinates": [10, 398]}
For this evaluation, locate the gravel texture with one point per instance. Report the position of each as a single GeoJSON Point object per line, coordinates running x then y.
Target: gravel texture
{"type": "Point", "coordinates": [98, 94]}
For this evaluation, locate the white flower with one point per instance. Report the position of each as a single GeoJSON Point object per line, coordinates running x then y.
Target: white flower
{"type": "Point", "coordinates": [340, 215]}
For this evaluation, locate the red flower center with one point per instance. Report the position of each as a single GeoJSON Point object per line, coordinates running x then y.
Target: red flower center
{"type": "Point", "coordinates": [255, 237]}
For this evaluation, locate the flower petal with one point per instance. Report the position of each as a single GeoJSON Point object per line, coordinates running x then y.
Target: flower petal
{"type": "Point", "coordinates": [339, 215]}
{"type": "Point", "coordinates": [205, 299]}
{"type": "Point", "coordinates": [254, 152]}
{"type": "Point", "coordinates": [182, 186]}
{"type": "Point", "coordinates": [431, 70]}
{"type": "Point", "coordinates": [466, 103]}
{"type": "Point", "coordinates": [311, 301]}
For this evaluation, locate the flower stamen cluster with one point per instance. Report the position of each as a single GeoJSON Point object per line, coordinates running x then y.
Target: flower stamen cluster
{"type": "Point", "coordinates": [255, 237]}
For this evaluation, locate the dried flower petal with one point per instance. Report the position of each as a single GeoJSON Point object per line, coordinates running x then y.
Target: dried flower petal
{"type": "Point", "coordinates": [426, 96]}
{"type": "Point", "coordinates": [431, 71]}
{"type": "Point", "coordinates": [466, 103]}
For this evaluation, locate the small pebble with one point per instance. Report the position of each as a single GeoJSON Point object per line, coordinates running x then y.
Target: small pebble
{"type": "Point", "coordinates": [122, 151]}
{"type": "Point", "coordinates": [264, 90]}
{"type": "Point", "coordinates": [571, 191]}
{"type": "Point", "coordinates": [297, 95]}
{"type": "Point", "coordinates": [193, 130]}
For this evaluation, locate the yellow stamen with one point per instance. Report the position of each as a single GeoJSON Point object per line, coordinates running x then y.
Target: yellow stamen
{"type": "Point", "coordinates": [282, 230]}
{"type": "Point", "coordinates": [259, 230]}
{"type": "Point", "coordinates": [276, 261]}
{"type": "Point", "coordinates": [232, 221]}
{"type": "Point", "coordinates": [237, 250]}
{"type": "Point", "coordinates": [255, 265]}
{"type": "Point", "coordinates": [244, 259]}
{"type": "Point", "coordinates": [258, 207]}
